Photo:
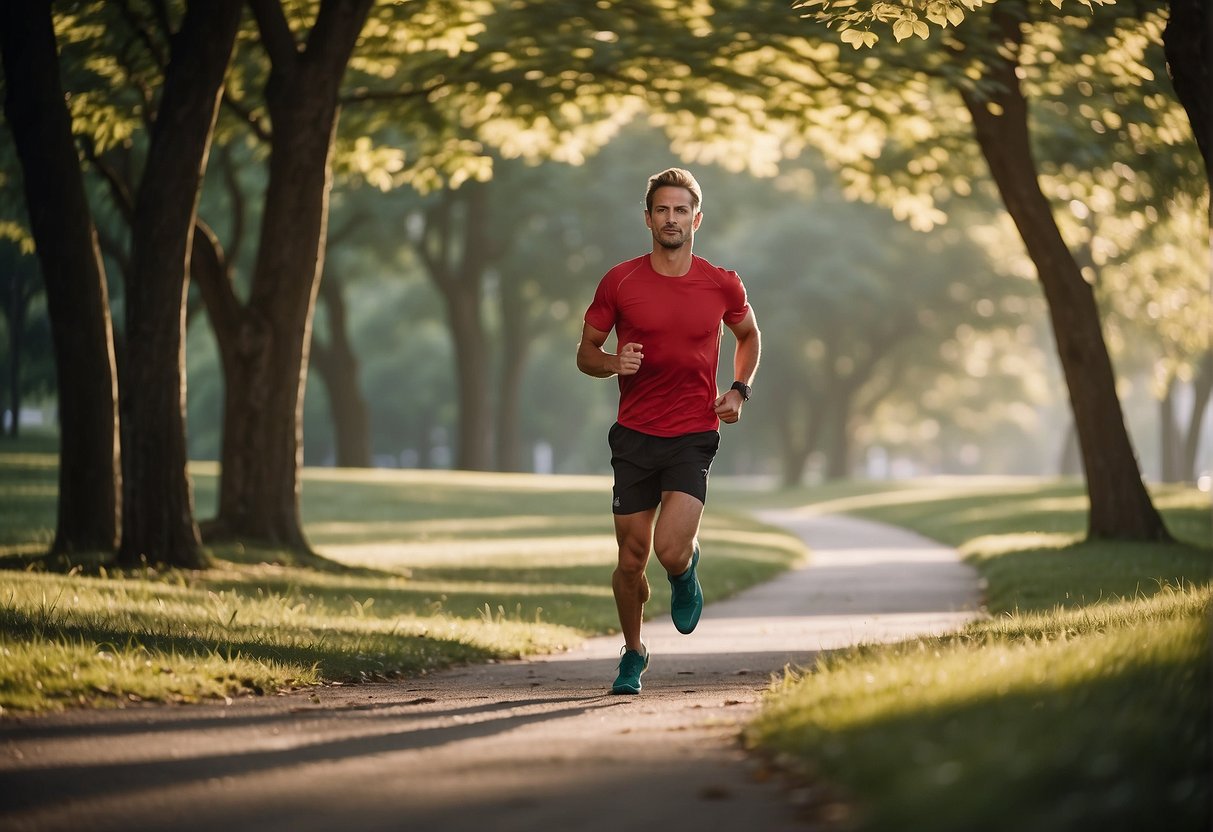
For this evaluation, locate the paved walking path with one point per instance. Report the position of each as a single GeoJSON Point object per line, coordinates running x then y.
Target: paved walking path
{"type": "Point", "coordinates": [511, 746]}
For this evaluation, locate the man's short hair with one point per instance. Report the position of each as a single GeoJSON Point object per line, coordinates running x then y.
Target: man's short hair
{"type": "Point", "coordinates": [677, 178]}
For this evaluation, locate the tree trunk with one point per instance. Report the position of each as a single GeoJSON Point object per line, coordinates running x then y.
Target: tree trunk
{"type": "Point", "coordinates": [1168, 436]}
{"type": "Point", "coordinates": [474, 436]}
{"type": "Point", "coordinates": [158, 521]}
{"type": "Point", "coordinates": [266, 361]}
{"type": "Point", "coordinates": [16, 310]}
{"type": "Point", "coordinates": [338, 368]}
{"type": "Point", "coordinates": [515, 344]}
{"type": "Point", "coordinates": [1120, 506]}
{"type": "Point", "coordinates": [456, 263]}
{"type": "Point", "coordinates": [1069, 463]}
{"type": "Point", "coordinates": [1202, 389]}
{"type": "Point", "coordinates": [799, 426]}
{"type": "Point", "coordinates": [838, 448]}
{"type": "Point", "coordinates": [77, 298]}
{"type": "Point", "coordinates": [1188, 45]}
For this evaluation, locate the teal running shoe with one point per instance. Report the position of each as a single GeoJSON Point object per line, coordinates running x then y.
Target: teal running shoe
{"type": "Point", "coordinates": [632, 665]}
{"type": "Point", "coordinates": [686, 596]}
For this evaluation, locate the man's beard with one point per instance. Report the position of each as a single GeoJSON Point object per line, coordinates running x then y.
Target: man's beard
{"type": "Point", "coordinates": [672, 242]}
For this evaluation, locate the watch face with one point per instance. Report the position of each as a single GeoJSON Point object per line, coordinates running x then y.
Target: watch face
{"type": "Point", "coordinates": [742, 388]}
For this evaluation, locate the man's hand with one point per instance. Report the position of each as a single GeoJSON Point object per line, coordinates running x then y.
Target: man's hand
{"type": "Point", "coordinates": [728, 406]}
{"type": "Point", "coordinates": [629, 359]}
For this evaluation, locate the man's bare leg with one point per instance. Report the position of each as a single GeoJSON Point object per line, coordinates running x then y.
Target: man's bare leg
{"type": "Point", "coordinates": [677, 527]}
{"type": "Point", "coordinates": [634, 533]}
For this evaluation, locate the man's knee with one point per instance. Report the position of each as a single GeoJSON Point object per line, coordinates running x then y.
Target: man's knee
{"type": "Point", "coordinates": [633, 556]}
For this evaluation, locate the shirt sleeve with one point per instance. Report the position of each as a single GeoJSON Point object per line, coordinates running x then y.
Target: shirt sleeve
{"type": "Point", "coordinates": [602, 312]}
{"type": "Point", "coordinates": [737, 305]}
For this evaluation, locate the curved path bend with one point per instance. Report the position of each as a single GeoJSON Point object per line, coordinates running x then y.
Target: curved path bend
{"type": "Point", "coordinates": [527, 745]}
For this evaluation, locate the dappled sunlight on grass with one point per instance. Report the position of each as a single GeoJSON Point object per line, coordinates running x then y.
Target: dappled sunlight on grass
{"type": "Point", "coordinates": [423, 530]}
{"type": "Point", "coordinates": [497, 482]}
{"type": "Point", "coordinates": [1082, 701]}
{"type": "Point", "coordinates": [912, 492]}
{"type": "Point", "coordinates": [993, 545]}
{"type": "Point", "coordinates": [419, 570]}
{"type": "Point", "coordinates": [525, 551]}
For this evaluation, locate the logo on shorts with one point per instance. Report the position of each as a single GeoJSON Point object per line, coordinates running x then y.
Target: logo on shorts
{"type": "Point", "coordinates": [704, 471]}
{"type": "Point", "coordinates": [615, 502]}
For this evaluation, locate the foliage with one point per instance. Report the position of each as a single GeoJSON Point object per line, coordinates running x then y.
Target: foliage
{"type": "Point", "coordinates": [854, 19]}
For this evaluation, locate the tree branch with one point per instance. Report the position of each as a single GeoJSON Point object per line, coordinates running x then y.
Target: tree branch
{"type": "Point", "coordinates": [143, 34]}
{"type": "Point", "coordinates": [258, 126]}
{"type": "Point", "coordinates": [119, 188]}
{"type": "Point", "coordinates": [276, 36]}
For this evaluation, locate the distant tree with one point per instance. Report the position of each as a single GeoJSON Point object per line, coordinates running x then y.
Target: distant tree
{"type": "Point", "coordinates": [19, 285]}
{"type": "Point", "coordinates": [983, 61]}
{"type": "Point", "coordinates": [265, 340]}
{"type": "Point", "coordinates": [333, 358]}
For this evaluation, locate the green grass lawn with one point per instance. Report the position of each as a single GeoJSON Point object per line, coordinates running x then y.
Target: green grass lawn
{"type": "Point", "coordinates": [1082, 703]}
{"type": "Point", "coordinates": [420, 570]}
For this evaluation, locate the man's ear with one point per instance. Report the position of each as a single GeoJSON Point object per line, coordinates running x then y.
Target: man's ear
{"type": "Point", "coordinates": [698, 219]}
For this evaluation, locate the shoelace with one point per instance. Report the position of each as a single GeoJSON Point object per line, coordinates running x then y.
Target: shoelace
{"type": "Point", "coordinates": [631, 663]}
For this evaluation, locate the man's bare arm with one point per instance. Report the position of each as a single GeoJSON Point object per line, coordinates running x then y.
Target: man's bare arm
{"type": "Point", "coordinates": [745, 363]}
{"type": "Point", "coordinates": [749, 348]}
{"type": "Point", "coordinates": [594, 361]}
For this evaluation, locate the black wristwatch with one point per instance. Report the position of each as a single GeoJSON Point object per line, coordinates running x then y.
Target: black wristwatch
{"type": "Point", "coordinates": [742, 388]}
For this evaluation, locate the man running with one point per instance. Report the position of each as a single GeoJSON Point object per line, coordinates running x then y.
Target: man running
{"type": "Point", "coordinates": [666, 308]}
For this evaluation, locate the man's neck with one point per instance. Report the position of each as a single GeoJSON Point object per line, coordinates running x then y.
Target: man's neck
{"type": "Point", "coordinates": [671, 262]}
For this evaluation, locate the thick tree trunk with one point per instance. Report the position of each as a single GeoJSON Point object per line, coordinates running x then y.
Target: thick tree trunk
{"type": "Point", "coordinates": [266, 370]}
{"type": "Point", "coordinates": [1120, 505]}
{"type": "Point", "coordinates": [77, 298]}
{"type": "Point", "coordinates": [158, 521]}
{"type": "Point", "coordinates": [1188, 46]}
{"type": "Point", "coordinates": [337, 365]}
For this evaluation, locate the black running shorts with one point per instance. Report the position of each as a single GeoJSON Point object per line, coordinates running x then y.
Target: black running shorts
{"type": "Point", "coordinates": [647, 465]}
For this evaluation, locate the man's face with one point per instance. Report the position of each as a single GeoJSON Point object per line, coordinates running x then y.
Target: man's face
{"type": "Point", "coordinates": [672, 219]}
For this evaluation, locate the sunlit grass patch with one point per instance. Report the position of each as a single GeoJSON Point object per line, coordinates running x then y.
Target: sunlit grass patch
{"type": "Point", "coordinates": [1110, 731]}
{"type": "Point", "coordinates": [415, 571]}
{"type": "Point", "coordinates": [126, 631]}
{"type": "Point", "coordinates": [1081, 702]}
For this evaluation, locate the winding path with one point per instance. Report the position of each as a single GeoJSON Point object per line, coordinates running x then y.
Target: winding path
{"type": "Point", "coordinates": [525, 745]}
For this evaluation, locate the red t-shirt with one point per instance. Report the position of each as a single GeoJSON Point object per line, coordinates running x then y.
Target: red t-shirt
{"type": "Point", "coordinates": [677, 322]}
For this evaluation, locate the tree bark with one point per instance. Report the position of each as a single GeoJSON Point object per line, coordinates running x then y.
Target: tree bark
{"type": "Point", "coordinates": [337, 365]}
{"type": "Point", "coordinates": [1188, 46]}
{"type": "Point", "coordinates": [1120, 506]}
{"type": "Point", "coordinates": [158, 521]}
{"type": "Point", "coordinates": [77, 297]}
{"type": "Point", "coordinates": [268, 339]}
{"type": "Point", "coordinates": [456, 263]}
